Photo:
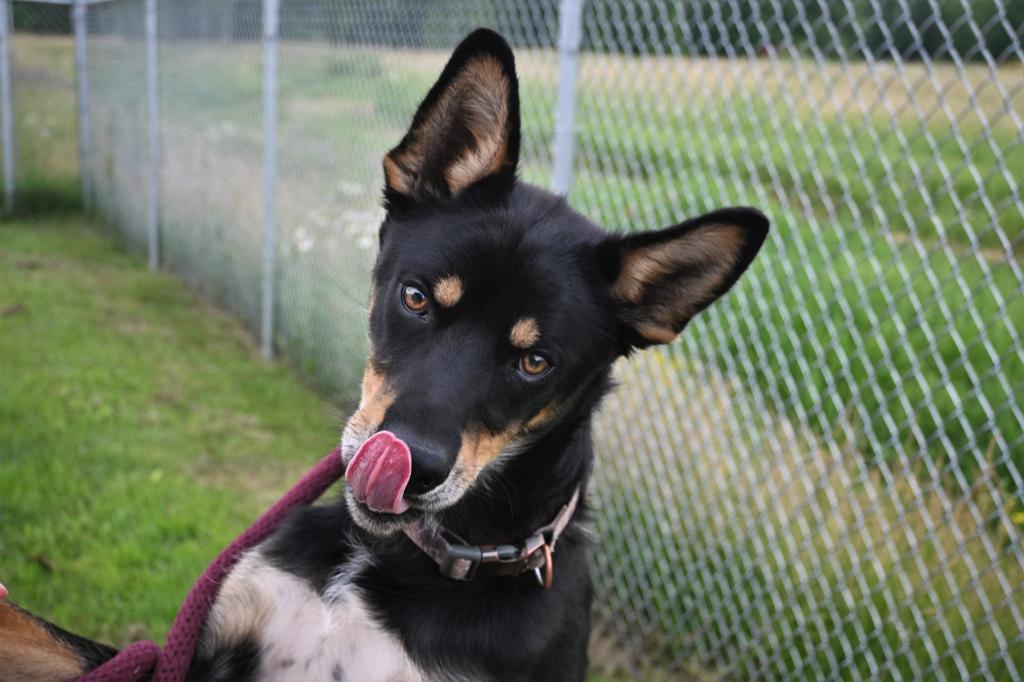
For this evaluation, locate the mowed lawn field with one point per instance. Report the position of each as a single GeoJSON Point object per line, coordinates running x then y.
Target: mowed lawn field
{"type": "Point", "coordinates": [140, 432]}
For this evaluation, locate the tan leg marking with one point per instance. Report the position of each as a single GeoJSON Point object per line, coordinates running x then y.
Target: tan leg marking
{"type": "Point", "coordinates": [29, 652]}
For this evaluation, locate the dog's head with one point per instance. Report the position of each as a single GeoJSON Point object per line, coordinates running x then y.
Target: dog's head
{"type": "Point", "coordinates": [495, 306]}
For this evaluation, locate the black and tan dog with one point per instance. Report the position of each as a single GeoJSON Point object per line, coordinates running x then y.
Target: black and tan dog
{"type": "Point", "coordinates": [496, 314]}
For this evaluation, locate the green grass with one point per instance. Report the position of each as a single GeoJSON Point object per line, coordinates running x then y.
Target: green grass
{"type": "Point", "coordinates": [139, 432]}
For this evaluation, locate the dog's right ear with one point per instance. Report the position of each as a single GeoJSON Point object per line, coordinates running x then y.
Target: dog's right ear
{"type": "Point", "coordinates": [466, 131]}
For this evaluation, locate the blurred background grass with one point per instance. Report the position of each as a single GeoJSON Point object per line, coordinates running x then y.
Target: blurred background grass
{"type": "Point", "coordinates": [857, 376]}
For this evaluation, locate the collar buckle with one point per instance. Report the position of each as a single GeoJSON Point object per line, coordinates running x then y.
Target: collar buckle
{"type": "Point", "coordinates": [547, 578]}
{"type": "Point", "coordinates": [462, 562]}
{"type": "Point", "coordinates": [459, 561]}
{"type": "Point", "coordinates": [537, 558]}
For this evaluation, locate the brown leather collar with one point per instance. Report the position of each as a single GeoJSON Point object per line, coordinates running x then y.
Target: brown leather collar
{"type": "Point", "coordinates": [460, 561]}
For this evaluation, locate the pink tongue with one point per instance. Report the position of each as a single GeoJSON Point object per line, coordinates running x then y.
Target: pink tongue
{"type": "Point", "coordinates": [379, 473]}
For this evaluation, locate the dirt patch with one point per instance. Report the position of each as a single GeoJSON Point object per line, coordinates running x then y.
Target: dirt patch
{"type": "Point", "coordinates": [28, 264]}
{"type": "Point", "coordinates": [41, 76]}
{"type": "Point", "coordinates": [620, 662]}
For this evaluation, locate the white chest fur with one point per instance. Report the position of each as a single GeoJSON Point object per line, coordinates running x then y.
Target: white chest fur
{"type": "Point", "coordinates": [304, 635]}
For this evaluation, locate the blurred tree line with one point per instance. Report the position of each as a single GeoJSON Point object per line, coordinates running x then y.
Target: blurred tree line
{"type": "Point", "coordinates": [910, 29]}
{"type": "Point", "coordinates": [34, 17]}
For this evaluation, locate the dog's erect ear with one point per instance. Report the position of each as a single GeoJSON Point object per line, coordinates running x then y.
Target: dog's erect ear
{"type": "Point", "coordinates": [661, 279]}
{"type": "Point", "coordinates": [465, 132]}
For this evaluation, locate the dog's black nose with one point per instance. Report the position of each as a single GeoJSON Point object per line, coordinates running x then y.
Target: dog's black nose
{"type": "Point", "coordinates": [429, 469]}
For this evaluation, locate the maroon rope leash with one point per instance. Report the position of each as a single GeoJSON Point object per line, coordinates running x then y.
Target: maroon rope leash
{"type": "Point", "coordinates": [138, 659]}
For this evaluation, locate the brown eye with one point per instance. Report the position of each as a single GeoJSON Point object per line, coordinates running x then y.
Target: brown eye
{"type": "Point", "coordinates": [534, 365]}
{"type": "Point", "coordinates": [414, 300]}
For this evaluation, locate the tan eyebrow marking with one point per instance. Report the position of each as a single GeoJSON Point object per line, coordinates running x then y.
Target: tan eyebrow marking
{"type": "Point", "coordinates": [448, 290]}
{"type": "Point", "coordinates": [525, 333]}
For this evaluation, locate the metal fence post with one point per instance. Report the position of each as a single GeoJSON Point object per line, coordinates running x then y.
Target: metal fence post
{"type": "Point", "coordinates": [569, 35]}
{"type": "Point", "coordinates": [152, 176]}
{"type": "Point", "coordinates": [270, 23]}
{"type": "Point", "coordinates": [6, 111]}
{"type": "Point", "coordinates": [84, 146]}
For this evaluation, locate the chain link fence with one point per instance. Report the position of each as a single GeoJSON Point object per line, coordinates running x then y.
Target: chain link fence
{"type": "Point", "coordinates": [823, 478]}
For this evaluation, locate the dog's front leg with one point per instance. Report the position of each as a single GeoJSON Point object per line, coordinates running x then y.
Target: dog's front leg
{"type": "Point", "coordinates": [34, 649]}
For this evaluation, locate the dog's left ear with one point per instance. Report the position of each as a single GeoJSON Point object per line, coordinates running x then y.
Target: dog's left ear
{"type": "Point", "coordinates": [466, 131]}
{"type": "Point", "coordinates": [661, 279]}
